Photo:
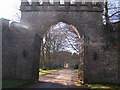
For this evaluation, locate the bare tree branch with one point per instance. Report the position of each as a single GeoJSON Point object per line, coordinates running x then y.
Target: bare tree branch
{"type": "Point", "coordinates": [114, 14]}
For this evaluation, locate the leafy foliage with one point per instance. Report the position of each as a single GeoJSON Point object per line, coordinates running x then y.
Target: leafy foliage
{"type": "Point", "coordinates": [76, 66]}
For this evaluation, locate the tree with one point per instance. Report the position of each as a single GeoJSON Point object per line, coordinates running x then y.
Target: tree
{"type": "Point", "coordinates": [60, 37]}
{"type": "Point", "coordinates": [111, 11]}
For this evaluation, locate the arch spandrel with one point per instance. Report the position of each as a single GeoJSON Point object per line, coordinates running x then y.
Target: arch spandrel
{"type": "Point", "coordinates": [49, 24]}
{"type": "Point", "coordinates": [40, 24]}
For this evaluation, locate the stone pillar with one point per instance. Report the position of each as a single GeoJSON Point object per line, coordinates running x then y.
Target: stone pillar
{"type": "Point", "coordinates": [36, 60]}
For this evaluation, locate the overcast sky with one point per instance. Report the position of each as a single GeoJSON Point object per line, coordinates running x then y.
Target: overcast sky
{"type": "Point", "coordinates": [8, 8]}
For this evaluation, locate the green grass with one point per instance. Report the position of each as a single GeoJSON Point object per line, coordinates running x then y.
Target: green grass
{"type": "Point", "coordinates": [103, 87]}
{"type": "Point", "coordinates": [43, 72]}
{"type": "Point", "coordinates": [7, 83]}
{"type": "Point", "coordinates": [98, 86]}
{"type": "Point", "coordinates": [13, 83]}
{"type": "Point", "coordinates": [75, 69]}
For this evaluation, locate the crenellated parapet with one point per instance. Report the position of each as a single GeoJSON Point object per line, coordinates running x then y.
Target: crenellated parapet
{"type": "Point", "coordinates": [61, 5]}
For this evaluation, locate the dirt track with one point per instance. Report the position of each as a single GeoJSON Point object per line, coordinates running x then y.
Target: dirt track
{"type": "Point", "coordinates": [65, 78]}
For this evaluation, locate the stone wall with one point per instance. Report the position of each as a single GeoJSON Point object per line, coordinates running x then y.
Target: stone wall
{"type": "Point", "coordinates": [19, 52]}
{"type": "Point", "coordinates": [112, 55]}
{"type": "Point", "coordinates": [9, 55]}
{"type": "Point", "coordinates": [107, 63]}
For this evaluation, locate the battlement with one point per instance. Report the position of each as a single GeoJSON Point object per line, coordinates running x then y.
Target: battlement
{"type": "Point", "coordinates": [61, 5]}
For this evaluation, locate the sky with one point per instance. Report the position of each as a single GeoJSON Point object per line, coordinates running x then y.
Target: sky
{"type": "Point", "coordinates": [9, 8]}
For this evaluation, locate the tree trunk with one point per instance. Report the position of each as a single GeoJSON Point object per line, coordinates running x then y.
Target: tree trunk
{"type": "Point", "coordinates": [106, 13]}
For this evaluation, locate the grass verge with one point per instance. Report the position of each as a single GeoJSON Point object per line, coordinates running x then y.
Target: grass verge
{"type": "Point", "coordinates": [7, 83]}
{"type": "Point", "coordinates": [98, 86]}
{"type": "Point", "coordinates": [76, 70]}
{"type": "Point", "coordinates": [43, 72]}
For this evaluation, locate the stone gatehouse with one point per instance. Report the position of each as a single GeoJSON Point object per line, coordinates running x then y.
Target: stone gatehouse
{"type": "Point", "coordinates": [21, 41]}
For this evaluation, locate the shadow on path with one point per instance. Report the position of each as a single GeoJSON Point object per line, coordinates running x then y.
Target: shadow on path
{"type": "Point", "coordinates": [65, 78]}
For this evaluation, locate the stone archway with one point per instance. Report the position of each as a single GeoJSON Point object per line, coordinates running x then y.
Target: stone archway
{"type": "Point", "coordinates": [88, 22]}
{"type": "Point", "coordinates": [87, 18]}
{"type": "Point", "coordinates": [82, 47]}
